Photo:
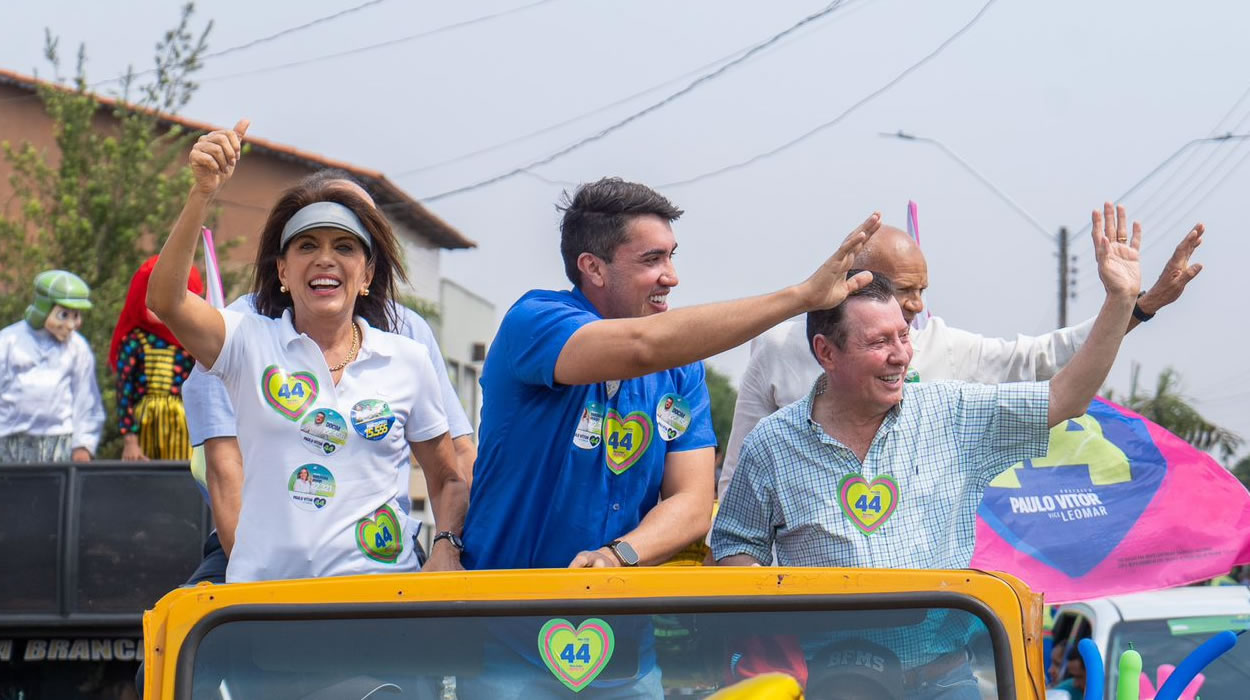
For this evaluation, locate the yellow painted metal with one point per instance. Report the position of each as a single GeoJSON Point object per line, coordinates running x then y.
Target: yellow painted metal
{"type": "Point", "coordinates": [167, 625]}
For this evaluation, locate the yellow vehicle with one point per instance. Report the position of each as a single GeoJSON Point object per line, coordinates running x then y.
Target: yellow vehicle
{"type": "Point", "coordinates": [589, 633]}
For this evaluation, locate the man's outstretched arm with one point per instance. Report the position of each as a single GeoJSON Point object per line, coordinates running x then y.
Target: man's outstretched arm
{"type": "Point", "coordinates": [634, 347]}
{"type": "Point", "coordinates": [1119, 268]}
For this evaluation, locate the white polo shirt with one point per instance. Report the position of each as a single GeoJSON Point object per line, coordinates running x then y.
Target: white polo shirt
{"type": "Point", "coordinates": [352, 438]}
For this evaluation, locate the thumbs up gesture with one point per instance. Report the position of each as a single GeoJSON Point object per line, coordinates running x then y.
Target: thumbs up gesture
{"type": "Point", "coordinates": [215, 155]}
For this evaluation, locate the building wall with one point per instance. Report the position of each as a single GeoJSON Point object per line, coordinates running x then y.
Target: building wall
{"type": "Point", "coordinates": [243, 202]}
{"type": "Point", "coordinates": [467, 322]}
{"type": "Point", "coordinates": [421, 259]}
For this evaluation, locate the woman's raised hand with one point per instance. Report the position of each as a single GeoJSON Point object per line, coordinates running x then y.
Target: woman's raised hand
{"type": "Point", "coordinates": [214, 156]}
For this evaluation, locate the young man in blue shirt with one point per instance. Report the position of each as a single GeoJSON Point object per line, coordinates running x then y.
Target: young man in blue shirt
{"type": "Point", "coordinates": [596, 444]}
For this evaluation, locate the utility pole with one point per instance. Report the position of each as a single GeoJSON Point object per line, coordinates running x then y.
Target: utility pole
{"type": "Point", "coordinates": [1063, 276]}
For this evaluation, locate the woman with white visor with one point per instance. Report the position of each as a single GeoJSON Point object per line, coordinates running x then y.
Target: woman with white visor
{"type": "Point", "coordinates": [323, 394]}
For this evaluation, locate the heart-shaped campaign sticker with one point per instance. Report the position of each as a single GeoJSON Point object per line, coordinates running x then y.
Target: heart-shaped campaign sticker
{"type": "Point", "coordinates": [1101, 469]}
{"type": "Point", "coordinates": [288, 394]}
{"type": "Point", "coordinates": [379, 537]}
{"type": "Point", "coordinates": [867, 505]}
{"type": "Point", "coordinates": [576, 657]}
{"type": "Point", "coordinates": [627, 439]}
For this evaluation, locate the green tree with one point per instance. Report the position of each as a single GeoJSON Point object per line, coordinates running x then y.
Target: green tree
{"type": "Point", "coordinates": [1242, 471]}
{"type": "Point", "coordinates": [723, 398]}
{"type": "Point", "coordinates": [101, 202]}
{"type": "Point", "coordinates": [1171, 409]}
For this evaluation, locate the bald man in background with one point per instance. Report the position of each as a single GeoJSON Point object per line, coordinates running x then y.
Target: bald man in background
{"type": "Point", "coordinates": [781, 369]}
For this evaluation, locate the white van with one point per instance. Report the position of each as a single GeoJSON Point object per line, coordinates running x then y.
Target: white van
{"type": "Point", "coordinates": [1165, 626]}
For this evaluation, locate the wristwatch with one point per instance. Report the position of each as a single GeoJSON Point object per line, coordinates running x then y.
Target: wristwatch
{"type": "Point", "coordinates": [451, 537]}
{"type": "Point", "coordinates": [1138, 314]}
{"type": "Point", "coordinates": [625, 552]}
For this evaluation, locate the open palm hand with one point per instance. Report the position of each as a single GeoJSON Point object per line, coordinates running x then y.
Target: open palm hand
{"type": "Point", "coordinates": [1118, 254]}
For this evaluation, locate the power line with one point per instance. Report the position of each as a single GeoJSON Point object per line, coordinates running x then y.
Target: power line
{"type": "Point", "coordinates": [292, 30]}
{"type": "Point", "coordinates": [1166, 217]}
{"type": "Point", "coordinates": [647, 110]}
{"type": "Point", "coordinates": [223, 52]}
{"type": "Point", "coordinates": [374, 47]}
{"type": "Point", "coordinates": [865, 100]}
{"type": "Point", "coordinates": [1214, 188]}
{"type": "Point", "coordinates": [1152, 206]}
{"type": "Point", "coordinates": [1156, 196]}
{"type": "Point", "coordinates": [1217, 140]}
{"type": "Point", "coordinates": [566, 122]}
{"type": "Point", "coordinates": [571, 120]}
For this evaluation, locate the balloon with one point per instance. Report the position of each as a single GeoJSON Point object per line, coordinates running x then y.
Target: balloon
{"type": "Point", "coordinates": [1095, 674]}
{"type": "Point", "coordinates": [1197, 660]}
{"type": "Point", "coordinates": [1128, 687]}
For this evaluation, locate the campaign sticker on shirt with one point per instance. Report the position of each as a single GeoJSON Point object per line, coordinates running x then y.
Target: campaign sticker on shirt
{"type": "Point", "coordinates": [379, 537]}
{"type": "Point", "coordinates": [627, 439]}
{"type": "Point", "coordinates": [372, 418]}
{"type": "Point", "coordinates": [868, 505]}
{"type": "Point", "coordinates": [912, 376]}
{"type": "Point", "coordinates": [311, 487]}
{"type": "Point", "coordinates": [590, 426]}
{"type": "Point", "coordinates": [672, 416]}
{"type": "Point", "coordinates": [323, 431]}
{"type": "Point", "coordinates": [288, 393]}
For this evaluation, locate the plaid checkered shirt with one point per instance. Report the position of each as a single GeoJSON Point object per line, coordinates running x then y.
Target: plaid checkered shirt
{"type": "Point", "coordinates": [911, 503]}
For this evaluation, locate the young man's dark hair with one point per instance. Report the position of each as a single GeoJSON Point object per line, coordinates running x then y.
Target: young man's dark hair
{"type": "Point", "coordinates": [829, 321]}
{"type": "Point", "coordinates": [596, 217]}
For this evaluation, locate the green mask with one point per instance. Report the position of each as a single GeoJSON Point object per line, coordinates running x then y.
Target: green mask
{"type": "Point", "coordinates": [53, 288]}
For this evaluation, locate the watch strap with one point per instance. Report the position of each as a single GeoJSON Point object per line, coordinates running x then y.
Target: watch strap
{"type": "Point", "coordinates": [619, 557]}
{"type": "Point", "coordinates": [1138, 313]}
{"type": "Point", "coordinates": [451, 537]}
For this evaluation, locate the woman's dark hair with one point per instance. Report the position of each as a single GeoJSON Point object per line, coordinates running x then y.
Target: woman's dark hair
{"type": "Point", "coordinates": [596, 216]}
{"type": "Point", "coordinates": [388, 267]}
{"type": "Point", "coordinates": [829, 322]}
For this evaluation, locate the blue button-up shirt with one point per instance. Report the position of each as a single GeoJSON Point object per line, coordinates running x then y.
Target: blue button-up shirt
{"type": "Point", "coordinates": [910, 504]}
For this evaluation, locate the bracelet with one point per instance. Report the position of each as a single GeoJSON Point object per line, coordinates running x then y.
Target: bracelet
{"type": "Point", "coordinates": [1138, 314]}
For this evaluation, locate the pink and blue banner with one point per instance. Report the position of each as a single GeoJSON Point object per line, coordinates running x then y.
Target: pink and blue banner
{"type": "Point", "coordinates": [1119, 505]}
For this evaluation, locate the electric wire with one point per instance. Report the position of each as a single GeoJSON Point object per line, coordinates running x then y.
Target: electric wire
{"type": "Point", "coordinates": [847, 112]}
{"type": "Point", "coordinates": [824, 12]}
{"type": "Point", "coordinates": [373, 47]}
{"type": "Point", "coordinates": [226, 51]}
{"type": "Point", "coordinates": [858, 4]}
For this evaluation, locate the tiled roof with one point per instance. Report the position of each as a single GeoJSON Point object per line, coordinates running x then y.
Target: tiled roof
{"type": "Point", "coordinates": [397, 203]}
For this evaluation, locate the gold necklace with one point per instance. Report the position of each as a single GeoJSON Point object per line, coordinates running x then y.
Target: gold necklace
{"type": "Point", "coordinates": [351, 355]}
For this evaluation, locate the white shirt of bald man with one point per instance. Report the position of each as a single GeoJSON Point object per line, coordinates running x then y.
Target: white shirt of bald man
{"type": "Point", "coordinates": [782, 369]}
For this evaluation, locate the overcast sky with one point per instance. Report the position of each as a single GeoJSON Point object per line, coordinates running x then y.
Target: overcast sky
{"type": "Point", "coordinates": [1061, 104]}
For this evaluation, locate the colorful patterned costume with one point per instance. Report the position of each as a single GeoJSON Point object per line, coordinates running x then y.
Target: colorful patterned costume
{"type": "Point", "coordinates": [151, 367]}
{"type": "Point", "coordinates": [150, 372]}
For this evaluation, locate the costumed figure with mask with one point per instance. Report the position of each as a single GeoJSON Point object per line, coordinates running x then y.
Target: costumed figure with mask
{"type": "Point", "coordinates": [50, 408]}
{"type": "Point", "coordinates": [151, 366]}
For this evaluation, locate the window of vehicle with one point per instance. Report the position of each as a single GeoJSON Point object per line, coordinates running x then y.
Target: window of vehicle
{"type": "Point", "coordinates": [1169, 641]}
{"type": "Point", "coordinates": [1070, 628]}
{"type": "Point", "coordinates": [846, 649]}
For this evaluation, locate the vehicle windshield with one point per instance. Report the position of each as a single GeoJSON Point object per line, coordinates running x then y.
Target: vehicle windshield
{"type": "Point", "coordinates": [644, 651]}
{"type": "Point", "coordinates": [1169, 641]}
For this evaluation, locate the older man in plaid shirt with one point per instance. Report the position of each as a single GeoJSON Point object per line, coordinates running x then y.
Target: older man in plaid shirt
{"type": "Point", "coordinates": [870, 471]}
